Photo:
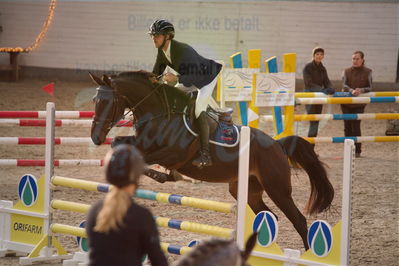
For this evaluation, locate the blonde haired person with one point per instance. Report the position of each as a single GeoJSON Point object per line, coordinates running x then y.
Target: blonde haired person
{"type": "Point", "coordinates": [120, 232]}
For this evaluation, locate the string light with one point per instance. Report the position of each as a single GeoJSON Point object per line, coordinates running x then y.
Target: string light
{"type": "Point", "coordinates": [39, 37]}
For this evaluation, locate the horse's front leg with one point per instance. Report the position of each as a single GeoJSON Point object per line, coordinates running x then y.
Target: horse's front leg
{"type": "Point", "coordinates": [156, 175]}
{"type": "Point", "coordinates": [161, 177]}
{"type": "Point", "coordinates": [130, 140]}
{"type": "Point", "coordinates": [165, 156]}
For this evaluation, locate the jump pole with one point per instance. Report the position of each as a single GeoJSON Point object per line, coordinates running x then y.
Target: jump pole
{"type": "Point", "coordinates": [49, 249]}
{"type": "Point", "coordinates": [349, 150]}
{"type": "Point", "coordinates": [49, 167]}
{"type": "Point", "coordinates": [243, 168]}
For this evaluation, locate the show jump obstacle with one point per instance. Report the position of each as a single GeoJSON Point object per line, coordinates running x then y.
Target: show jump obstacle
{"type": "Point", "coordinates": [40, 249]}
{"type": "Point", "coordinates": [64, 119]}
{"type": "Point", "coordinates": [28, 227]}
{"type": "Point", "coordinates": [252, 89]}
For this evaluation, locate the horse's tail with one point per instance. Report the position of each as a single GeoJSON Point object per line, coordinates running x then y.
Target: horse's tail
{"type": "Point", "coordinates": [301, 153]}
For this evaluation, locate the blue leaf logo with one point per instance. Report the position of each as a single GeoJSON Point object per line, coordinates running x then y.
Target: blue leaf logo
{"type": "Point", "coordinates": [82, 242]}
{"type": "Point", "coordinates": [320, 238]}
{"type": "Point", "coordinates": [193, 243]}
{"type": "Point", "coordinates": [265, 223]}
{"type": "Point", "coordinates": [144, 259]}
{"type": "Point", "coordinates": [28, 190]}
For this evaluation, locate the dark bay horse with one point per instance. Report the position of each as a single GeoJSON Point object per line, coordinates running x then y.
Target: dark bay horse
{"type": "Point", "coordinates": [161, 136]}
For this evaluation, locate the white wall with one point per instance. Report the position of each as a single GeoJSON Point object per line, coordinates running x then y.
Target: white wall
{"type": "Point", "coordinates": [105, 35]}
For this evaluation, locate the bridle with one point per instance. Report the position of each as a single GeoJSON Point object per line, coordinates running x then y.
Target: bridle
{"type": "Point", "coordinates": [138, 123]}
{"type": "Point", "coordinates": [116, 102]}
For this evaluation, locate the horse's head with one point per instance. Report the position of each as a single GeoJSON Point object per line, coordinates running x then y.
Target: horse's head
{"type": "Point", "coordinates": [136, 90]}
{"type": "Point", "coordinates": [109, 108]}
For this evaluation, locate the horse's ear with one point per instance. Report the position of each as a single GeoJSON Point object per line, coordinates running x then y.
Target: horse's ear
{"type": "Point", "coordinates": [96, 79]}
{"type": "Point", "coordinates": [107, 80]}
{"type": "Point", "coordinates": [249, 246]}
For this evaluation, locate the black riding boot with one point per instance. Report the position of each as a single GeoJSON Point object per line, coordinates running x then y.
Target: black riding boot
{"type": "Point", "coordinates": [204, 158]}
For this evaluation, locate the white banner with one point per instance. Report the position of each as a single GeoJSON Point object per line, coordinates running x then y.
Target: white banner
{"type": "Point", "coordinates": [237, 83]}
{"type": "Point", "coordinates": [275, 89]}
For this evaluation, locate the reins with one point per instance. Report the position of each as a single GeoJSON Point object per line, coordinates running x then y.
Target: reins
{"type": "Point", "coordinates": [133, 109]}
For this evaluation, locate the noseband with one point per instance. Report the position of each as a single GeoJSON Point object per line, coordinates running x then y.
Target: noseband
{"type": "Point", "coordinates": [116, 102]}
{"type": "Point", "coordinates": [108, 93]}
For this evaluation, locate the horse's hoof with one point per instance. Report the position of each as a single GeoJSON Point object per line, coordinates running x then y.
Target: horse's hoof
{"type": "Point", "coordinates": [160, 178]}
{"type": "Point", "coordinates": [157, 176]}
{"type": "Point", "coordinates": [174, 176]}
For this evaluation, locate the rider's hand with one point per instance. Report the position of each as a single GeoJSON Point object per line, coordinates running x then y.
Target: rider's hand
{"type": "Point", "coordinates": [169, 78]}
{"type": "Point", "coordinates": [153, 79]}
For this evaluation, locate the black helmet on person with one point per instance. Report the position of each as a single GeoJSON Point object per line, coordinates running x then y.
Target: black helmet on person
{"type": "Point", "coordinates": [162, 26]}
{"type": "Point", "coordinates": [124, 165]}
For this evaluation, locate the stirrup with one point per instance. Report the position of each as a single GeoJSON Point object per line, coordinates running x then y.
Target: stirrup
{"type": "Point", "coordinates": [203, 160]}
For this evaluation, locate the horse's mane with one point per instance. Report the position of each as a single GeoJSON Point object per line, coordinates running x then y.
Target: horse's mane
{"type": "Point", "coordinates": [144, 78]}
{"type": "Point", "coordinates": [141, 74]}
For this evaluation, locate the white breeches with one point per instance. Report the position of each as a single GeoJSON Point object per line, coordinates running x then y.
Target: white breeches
{"type": "Point", "coordinates": [204, 97]}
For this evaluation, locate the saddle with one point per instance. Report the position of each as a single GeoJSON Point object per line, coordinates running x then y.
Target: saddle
{"type": "Point", "coordinates": [223, 132]}
{"type": "Point", "coordinates": [225, 115]}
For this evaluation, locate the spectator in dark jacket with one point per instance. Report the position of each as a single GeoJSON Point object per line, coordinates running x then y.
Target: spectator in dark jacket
{"type": "Point", "coordinates": [316, 80]}
{"type": "Point", "coordinates": [357, 79]}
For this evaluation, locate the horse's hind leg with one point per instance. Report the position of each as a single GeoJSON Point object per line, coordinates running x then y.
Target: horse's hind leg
{"type": "Point", "coordinates": [255, 192]}
{"type": "Point", "coordinates": [288, 207]}
{"type": "Point", "coordinates": [277, 185]}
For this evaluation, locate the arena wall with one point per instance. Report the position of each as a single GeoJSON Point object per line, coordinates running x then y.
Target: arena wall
{"type": "Point", "coordinates": [111, 35]}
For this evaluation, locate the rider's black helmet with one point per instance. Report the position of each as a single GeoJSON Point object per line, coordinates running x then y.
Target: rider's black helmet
{"type": "Point", "coordinates": [162, 26]}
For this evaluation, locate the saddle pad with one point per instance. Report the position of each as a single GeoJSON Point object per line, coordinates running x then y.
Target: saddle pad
{"type": "Point", "coordinates": [224, 135]}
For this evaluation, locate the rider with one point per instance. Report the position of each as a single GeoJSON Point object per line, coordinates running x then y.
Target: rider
{"type": "Point", "coordinates": [180, 63]}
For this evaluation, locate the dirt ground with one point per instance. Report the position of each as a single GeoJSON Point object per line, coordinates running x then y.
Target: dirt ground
{"type": "Point", "coordinates": [374, 237]}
